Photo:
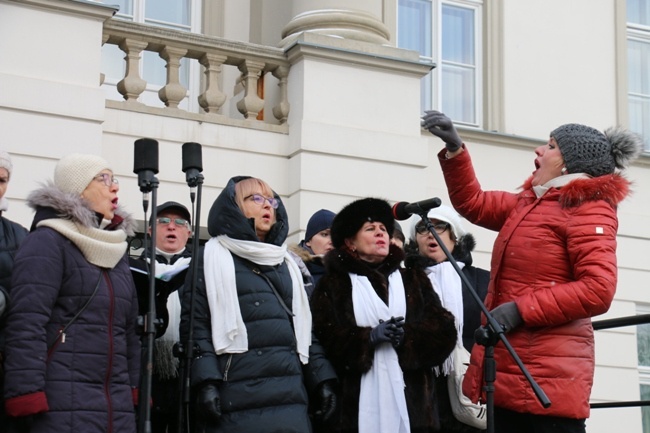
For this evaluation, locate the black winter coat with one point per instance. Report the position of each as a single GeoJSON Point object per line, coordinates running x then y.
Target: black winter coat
{"type": "Point", "coordinates": [429, 335]}
{"type": "Point", "coordinates": [86, 377]}
{"type": "Point", "coordinates": [265, 389]}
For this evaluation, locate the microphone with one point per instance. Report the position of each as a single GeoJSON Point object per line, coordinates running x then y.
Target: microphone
{"type": "Point", "coordinates": [192, 164]}
{"type": "Point", "coordinates": [145, 165]}
{"type": "Point", "coordinates": [403, 210]}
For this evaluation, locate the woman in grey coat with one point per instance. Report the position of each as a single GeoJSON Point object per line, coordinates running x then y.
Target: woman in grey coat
{"type": "Point", "coordinates": [256, 366]}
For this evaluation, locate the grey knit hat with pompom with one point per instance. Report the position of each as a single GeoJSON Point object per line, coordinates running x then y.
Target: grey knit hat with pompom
{"type": "Point", "coordinates": [587, 150]}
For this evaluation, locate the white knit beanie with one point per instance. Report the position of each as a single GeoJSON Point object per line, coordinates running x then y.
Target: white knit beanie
{"type": "Point", "coordinates": [5, 162]}
{"type": "Point", "coordinates": [74, 172]}
{"type": "Point", "coordinates": [448, 215]}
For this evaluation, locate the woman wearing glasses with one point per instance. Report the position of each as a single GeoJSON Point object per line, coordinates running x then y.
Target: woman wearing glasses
{"type": "Point", "coordinates": [72, 353]}
{"type": "Point", "coordinates": [424, 252]}
{"type": "Point", "coordinates": [256, 364]}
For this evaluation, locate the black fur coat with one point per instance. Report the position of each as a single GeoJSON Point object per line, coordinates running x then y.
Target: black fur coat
{"type": "Point", "coordinates": [429, 337]}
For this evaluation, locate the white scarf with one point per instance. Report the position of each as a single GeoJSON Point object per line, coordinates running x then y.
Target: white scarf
{"type": "Point", "coordinates": [382, 404]}
{"type": "Point", "coordinates": [558, 182]}
{"type": "Point", "coordinates": [229, 333]}
{"type": "Point", "coordinates": [449, 288]}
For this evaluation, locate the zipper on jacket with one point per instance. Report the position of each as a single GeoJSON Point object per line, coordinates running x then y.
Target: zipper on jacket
{"type": "Point", "coordinates": [225, 374]}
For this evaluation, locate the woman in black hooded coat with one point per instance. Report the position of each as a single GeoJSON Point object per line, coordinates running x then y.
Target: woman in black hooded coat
{"type": "Point", "coordinates": [256, 366]}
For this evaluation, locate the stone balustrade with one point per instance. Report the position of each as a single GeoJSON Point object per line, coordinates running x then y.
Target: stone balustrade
{"type": "Point", "coordinates": [213, 53]}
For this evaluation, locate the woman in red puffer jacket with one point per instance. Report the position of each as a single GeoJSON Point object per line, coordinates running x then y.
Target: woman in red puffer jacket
{"type": "Point", "coordinates": [553, 267]}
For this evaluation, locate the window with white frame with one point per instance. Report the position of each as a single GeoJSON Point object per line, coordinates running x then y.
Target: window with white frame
{"type": "Point", "coordinates": [447, 33]}
{"type": "Point", "coordinates": [643, 351]}
{"type": "Point", "coordinates": [638, 65]}
{"type": "Point", "coordinates": [183, 15]}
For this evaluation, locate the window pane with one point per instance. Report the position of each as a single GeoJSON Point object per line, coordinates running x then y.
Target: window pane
{"type": "Point", "coordinates": [638, 67]}
{"type": "Point", "coordinates": [458, 34]}
{"type": "Point", "coordinates": [458, 93]}
{"type": "Point", "coordinates": [638, 12]}
{"type": "Point", "coordinates": [126, 6]}
{"type": "Point", "coordinates": [169, 11]}
{"type": "Point", "coordinates": [414, 26]}
{"type": "Point", "coordinates": [643, 344]}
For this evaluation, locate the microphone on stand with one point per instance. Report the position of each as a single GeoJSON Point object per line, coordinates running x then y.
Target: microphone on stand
{"type": "Point", "coordinates": [192, 165]}
{"type": "Point", "coordinates": [403, 210]}
{"type": "Point", "coordinates": [145, 165]}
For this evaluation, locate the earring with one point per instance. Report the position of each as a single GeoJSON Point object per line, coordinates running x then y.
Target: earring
{"type": "Point", "coordinates": [563, 171]}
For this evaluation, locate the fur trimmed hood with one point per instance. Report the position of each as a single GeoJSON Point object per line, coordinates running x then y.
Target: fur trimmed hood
{"type": "Point", "coordinates": [613, 188]}
{"type": "Point", "coordinates": [50, 202]}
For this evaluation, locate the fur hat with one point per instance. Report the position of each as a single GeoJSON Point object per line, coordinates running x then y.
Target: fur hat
{"type": "Point", "coordinates": [74, 172]}
{"type": "Point", "coordinates": [319, 221]}
{"type": "Point", "coordinates": [5, 162]}
{"type": "Point", "coordinates": [587, 150]}
{"type": "Point", "coordinates": [448, 215]}
{"type": "Point", "coordinates": [353, 216]}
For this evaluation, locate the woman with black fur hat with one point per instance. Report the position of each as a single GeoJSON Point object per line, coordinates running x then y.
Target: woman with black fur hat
{"type": "Point", "coordinates": [383, 327]}
{"type": "Point", "coordinates": [423, 252]}
{"type": "Point", "coordinates": [553, 267]}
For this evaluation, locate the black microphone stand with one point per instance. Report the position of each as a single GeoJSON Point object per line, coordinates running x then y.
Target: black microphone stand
{"type": "Point", "coordinates": [494, 334]}
{"type": "Point", "coordinates": [185, 350]}
{"type": "Point", "coordinates": [148, 184]}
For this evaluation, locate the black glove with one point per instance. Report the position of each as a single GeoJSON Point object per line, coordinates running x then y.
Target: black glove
{"type": "Point", "coordinates": [3, 302]}
{"type": "Point", "coordinates": [327, 398]}
{"type": "Point", "coordinates": [508, 316]}
{"type": "Point", "coordinates": [441, 126]}
{"type": "Point", "coordinates": [208, 402]}
{"type": "Point", "coordinates": [397, 337]}
{"type": "Point", "coordinates": [387, 331]}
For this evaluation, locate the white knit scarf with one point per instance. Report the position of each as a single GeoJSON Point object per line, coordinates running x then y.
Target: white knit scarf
{"type": "Point", "coordinates": [228, 329]}
{"type": "Point", "coordinates": [449, 288]}
{"type": "Point", "coordinates": [382, 403]}
{"type": "Point", "coordinates": [103, 248]}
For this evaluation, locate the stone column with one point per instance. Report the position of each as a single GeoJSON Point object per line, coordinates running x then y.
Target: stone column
{"type": "Point", "coordinates": [359, 20]}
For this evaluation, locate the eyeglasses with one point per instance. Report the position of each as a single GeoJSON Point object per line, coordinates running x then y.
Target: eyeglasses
{"type": "Point", "coordinates": [108, 179]}
{"type": "Point", "coordinates": [178, 221]}
{"type": "Point", "coordinates": [440, 228]}
{"type": "Point", "coordinates": [259, 199]}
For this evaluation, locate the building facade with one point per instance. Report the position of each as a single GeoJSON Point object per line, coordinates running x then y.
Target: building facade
{"type": "Point", "coordinates": [323, 102]}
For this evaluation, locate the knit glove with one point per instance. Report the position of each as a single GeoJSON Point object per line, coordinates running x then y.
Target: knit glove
{"type": "Point", "coordinates": [441, 126]}
{"type": "Point", "coordinates": [507, 315]}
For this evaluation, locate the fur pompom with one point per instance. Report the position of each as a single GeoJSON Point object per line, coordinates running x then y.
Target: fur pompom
{"type": "Point", "coordinates": [626, 145]}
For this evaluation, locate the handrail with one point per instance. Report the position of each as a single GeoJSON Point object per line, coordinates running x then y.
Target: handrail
{"type": "Point", "coordinates": [618, 323]}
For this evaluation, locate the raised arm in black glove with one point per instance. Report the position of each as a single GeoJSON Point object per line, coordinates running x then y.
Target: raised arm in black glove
{"type": "Point", "coordinates": [327, 400]}
{"type": "Point", "coordinates": [208, 402]}
{"type": "Point", "coordinates": [441, 126]}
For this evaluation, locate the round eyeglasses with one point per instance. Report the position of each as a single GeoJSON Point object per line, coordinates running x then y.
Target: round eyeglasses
{"type": "Point", "coordinates": [107, 178]}
{"type": "Point", "coordinates": [260, 199]}
{"type": "Point", "coordinates": [440, 228]}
